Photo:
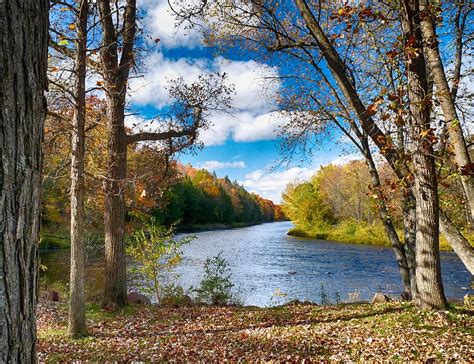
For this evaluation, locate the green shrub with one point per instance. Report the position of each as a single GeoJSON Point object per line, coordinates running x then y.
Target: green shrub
{"type": "Point", "coordinates": [216, 285]}
{"type": "Point", "coordinates": [173, 295]}
{"type": "Point", "coordinates": [156, 252]}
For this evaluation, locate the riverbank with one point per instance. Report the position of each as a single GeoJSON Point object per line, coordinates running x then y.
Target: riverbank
{"type": "Point", "coordinates": [60, 239]}
{"type": "Point", "coordinates": [197, 228]}
{"type": "Point", "coordinates": [358, 332]}
{"type": "Point", "coordinates": [357, 233]}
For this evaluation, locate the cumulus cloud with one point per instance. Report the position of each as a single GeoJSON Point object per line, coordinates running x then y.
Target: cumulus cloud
{"type": "Point", "coordinates": [242, 127]}
{"type": "Point", "coordinates": [215, 165]}
{"type": "Point", "coordinates": [255, 84]}
{"type": "Point", "coordinates": [271, 184]}
{"type": "Point", "coordinates": [150, 88]}
{"type": "Point", "coordinates": [160, 22]}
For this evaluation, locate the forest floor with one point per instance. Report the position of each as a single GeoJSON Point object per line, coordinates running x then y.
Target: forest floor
{"type": "Point", "coordinates": [346, 332]}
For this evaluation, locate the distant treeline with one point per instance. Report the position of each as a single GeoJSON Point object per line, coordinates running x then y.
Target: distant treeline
{"type": "Point", "coordinates": [338, 203]}
{"type": "Point", "coordinates": [200, 198]}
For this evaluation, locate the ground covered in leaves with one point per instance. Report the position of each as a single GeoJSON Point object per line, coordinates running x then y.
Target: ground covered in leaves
{"type": "Point", "coordinates": [363, 332]}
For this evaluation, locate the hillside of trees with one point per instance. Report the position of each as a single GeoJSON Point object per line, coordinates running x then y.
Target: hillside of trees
{"type": "Point", "coordinates": [339, 203]}
{"type": "Point", "coordinates": [173, 193]}
{"type": "Point", "coordinates": [200, 198]}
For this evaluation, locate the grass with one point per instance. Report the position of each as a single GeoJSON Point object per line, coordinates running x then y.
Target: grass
{"type": "Point", "coordinates": [356, 232]}
{"type": "Point", "coordinates": [344, 332]}
{"type": "Point", "coordinates": [55, 239]}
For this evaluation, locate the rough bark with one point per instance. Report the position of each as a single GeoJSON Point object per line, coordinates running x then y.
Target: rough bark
{"type": "Point", "coordinates": [428, 266]}
{"type": "Point", "coordinates": [445, 97]}
{"type": "Point", "coordinates": [114, 215]}
{"type": "Point", "coordinates": [116, 74]}
{"type": "Point", "coordinates": [460, 245]}
{"type": "Point", "coordinates": [409, 232]}
{"type": "Point", "coordinates": [23, 64]}
{"type": "Point", "coordinates": [77, 318]}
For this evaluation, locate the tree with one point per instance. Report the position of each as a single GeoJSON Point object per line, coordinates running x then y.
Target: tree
{"type": "Point", "coordinates": [77, 315]}
{"type": "Point", "coordinates": [186, 117]}
{"type": "Point", "coordinates": [23, 65]}
{"type": "Point", "coordinates": [428, 265]}
{"type": "Point", "coordinates": [447, 98]}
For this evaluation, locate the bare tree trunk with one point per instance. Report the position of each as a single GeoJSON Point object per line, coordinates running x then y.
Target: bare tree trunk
{"type": "Point", "coordinates": [23, 65]}
{"type": "Point", "coordinates": [460, 245]}
{"type": "Point", "coordinates": [461, 154]}
{"type": "Point", "coordinates": [428, 267]}
{"type": "Point", "coordinates": [114, 215]}
{"type": "Point", "coordinates": [400, 254]}
{"type": "Point", "coordinates": [77, 318]}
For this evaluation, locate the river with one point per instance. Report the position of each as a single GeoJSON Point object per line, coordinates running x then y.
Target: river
{"type": "Point", "coordinates": [264, 260]}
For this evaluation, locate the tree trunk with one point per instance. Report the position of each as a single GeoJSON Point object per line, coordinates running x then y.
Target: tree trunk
{"type": "Point", "coordinates": [461, 154]}
{"type": "Point", "coordinates": [390, 230]}
{"type": "Point", "coordinates": [460, 245]}
{"type": "Point", "coordinates": [77, 319]}
{"type": "Point", "coordinates": [369, 126]}
{"type": "Point", "coordinates": [428, 267]}
{"type": "Point", "coordinates": [409, 232]}
{"type": "Point", "coordinates": [114, 215]}
{"type": "Point", "coordinates": [23, 65]}
{"type": "Point", "coordinates": [116, 73]}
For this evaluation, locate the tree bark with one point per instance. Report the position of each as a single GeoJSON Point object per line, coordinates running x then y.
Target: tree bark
{"type": "Point", "coordinates": [116, 74]}
{"type": "Point", "coordinates": [114, 215]}
{"type": "Point", "coordinates": [445, 97]}
{"type": "Point", "coordinates": [77, 318]}
{"type": "Point", "coordinates": [460, 245]}
{"type": "Point", "coordinates": [428, 266]}
{"type": "Point", "coordinates": [409, 232]}
{"type": "Point", "coordinates": [23, 65]}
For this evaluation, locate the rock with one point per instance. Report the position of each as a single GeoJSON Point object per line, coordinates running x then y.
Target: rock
{"type": "Point", "coordinates": [53, 296]}
{"type": "Point", "coordinates": [469, 301]}
{"type": "Point", "coordinates": [300, 303]}
{"type": "Point", "coordinates": [380, 298]}
{"type": "Point", "coordinates": [138, 298]}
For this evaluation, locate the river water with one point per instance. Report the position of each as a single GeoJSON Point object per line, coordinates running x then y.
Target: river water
{"type": "Point", "coordinates": [263, 260]}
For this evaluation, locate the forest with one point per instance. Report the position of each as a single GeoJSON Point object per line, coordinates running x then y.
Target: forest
{"type": "Point", "coordinates": [173, 193]}
{"type": "Point", "coordinates": [340, 204]}
{"type": "Point", "coordinates": [111, 109]}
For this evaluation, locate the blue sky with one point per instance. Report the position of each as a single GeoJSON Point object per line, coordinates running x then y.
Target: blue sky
{"type": "Point", "coordinates": [243, 145]}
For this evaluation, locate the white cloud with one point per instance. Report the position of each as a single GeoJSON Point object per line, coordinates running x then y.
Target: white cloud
{"type": "Point", "coordinates": [271, 184]}
{"type": "Point", "coordinates": [255, 84]}
{"type": "Point", "coordinates": [150, 88]}
{"type": "Point", "coordinates": [160, 22]}
{"type": "Point", "coordinates": [242, 127]}
{"type": "Point", "coordinates": [215, 165]}
{"type": "Point", "coordinates": [344, 159]}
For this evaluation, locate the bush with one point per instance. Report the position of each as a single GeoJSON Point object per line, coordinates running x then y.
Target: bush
{"type": "Point", "coordinates": [173, 295]}
{"type": "Point", "coordinates": [156, 252]}
{"type": "Point", "coordinates": [216, 285]}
